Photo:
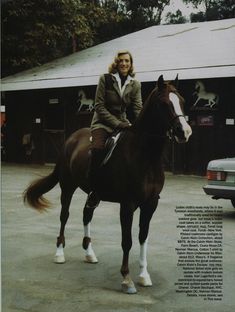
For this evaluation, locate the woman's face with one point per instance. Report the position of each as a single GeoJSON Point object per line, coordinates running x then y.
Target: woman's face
{"type": "Point", "coordinates": [124, 64]}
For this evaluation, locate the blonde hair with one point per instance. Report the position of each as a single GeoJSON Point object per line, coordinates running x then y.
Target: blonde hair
{"type": "Point", "coordinates": [113, 68]}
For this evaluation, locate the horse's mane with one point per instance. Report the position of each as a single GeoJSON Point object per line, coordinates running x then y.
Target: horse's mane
{"type": "Point", "coordinates": [163, 94]}
{"type": "Point", "coordinates": [159, 95]}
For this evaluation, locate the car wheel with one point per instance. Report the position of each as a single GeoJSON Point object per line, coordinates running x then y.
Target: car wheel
{"type": "Point", "coordinates": [233, 202]}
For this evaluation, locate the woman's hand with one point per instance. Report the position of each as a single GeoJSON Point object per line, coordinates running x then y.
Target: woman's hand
{"type": "Point", "coordinates": [124, 125]}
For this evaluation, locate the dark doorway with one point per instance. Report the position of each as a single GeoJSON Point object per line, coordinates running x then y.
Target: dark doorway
{"type": "Point", "coordinates": [54, 129]}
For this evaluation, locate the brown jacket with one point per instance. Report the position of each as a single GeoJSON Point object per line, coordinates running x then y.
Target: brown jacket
{"type": "Point", "coordinates": [111, 104]}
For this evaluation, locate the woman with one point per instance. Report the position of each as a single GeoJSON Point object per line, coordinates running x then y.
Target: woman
{"type": "Point", "coordinates": [116, 93]}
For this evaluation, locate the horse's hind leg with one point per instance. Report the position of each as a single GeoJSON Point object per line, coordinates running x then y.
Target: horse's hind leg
{"type": "Point", "coordinates": [146, 213]}
{"type": "Point", "coordinates": [66, 196]}
{"type": "Point", "coordinates": [90, 256]}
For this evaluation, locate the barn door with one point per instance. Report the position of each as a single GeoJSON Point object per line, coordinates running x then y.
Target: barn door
{"type": "Point", "coordinates": [54, 130]}
{"type": "Point", "coordinates": [53, 144]}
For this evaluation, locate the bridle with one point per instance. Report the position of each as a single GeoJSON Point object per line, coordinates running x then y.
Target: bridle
{"type": "Point", "coordinates": [169, 133]}
{"type": "Point", "coordinates": [170, 130]}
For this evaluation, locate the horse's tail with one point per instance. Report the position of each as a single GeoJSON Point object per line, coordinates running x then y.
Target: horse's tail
{"type": "Point", "coordinates": [33, 194]}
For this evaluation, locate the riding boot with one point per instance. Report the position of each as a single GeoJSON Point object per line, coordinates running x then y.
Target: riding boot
{"type": "Point", "coordinates": [94, 166]}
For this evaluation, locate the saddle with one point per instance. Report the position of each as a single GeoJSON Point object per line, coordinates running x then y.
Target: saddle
{"type": "Point", "coordinates": [110, 145]}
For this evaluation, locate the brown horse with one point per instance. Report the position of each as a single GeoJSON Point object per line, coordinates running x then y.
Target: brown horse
{"type": "Point", "coordinates": [133, 176]}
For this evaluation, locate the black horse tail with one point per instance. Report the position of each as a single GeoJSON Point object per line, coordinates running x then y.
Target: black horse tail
{"type": "Point", "coordinates": [33, 194]}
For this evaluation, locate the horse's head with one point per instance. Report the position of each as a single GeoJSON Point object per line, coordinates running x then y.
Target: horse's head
{"type": "Point", "coordinates": [81, 94]}
{"type": "Point", "coordinates": [170, 108]}
{"type": "Point", "coordinates": [199, 86]}
{"type": "Point", "coordinates": [163, 112]}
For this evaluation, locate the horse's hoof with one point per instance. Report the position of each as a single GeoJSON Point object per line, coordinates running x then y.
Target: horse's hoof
{"type": "Point", "coordinates": [91, 259]}
{"type": "Point", "coordinates": [145, 281]}
{"type": "Point", "coordinates": [59, 259]}
{"type": "Point", "coordinates": [128, 288]}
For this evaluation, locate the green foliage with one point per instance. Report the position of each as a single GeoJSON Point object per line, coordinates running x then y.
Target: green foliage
{"type": "Point", "coordinates": [206, 3]}
{"type": "Point", "coordinates": [105, 20]}
{"type": "Point", "coordinates": [213, 10]}
{"type": "Point", "coordinates": [175, 18]}
{"type": "Point", "coordinates": [197, 17]}
{"type": "Point", "coordinates": [143, 13]}
{"type": "Point", "coordinates": [222, 9]}
{"type": "Point", "coordinates": [35, 32]}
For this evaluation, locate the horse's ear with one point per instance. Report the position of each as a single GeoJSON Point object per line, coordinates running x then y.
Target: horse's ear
{"type": "Point", "coordinates": [160, 82]}
{"type": "Point", "coordinates": [176, 82]}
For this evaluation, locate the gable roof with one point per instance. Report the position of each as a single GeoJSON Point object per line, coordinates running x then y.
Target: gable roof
{"type": "Point", "coordinates": [193, 50]}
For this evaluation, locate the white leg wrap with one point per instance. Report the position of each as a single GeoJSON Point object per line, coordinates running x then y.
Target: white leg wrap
{"type": "Point", "coordinates": [128, 286]}
{"type": "Point", "coordinates": [90, 256]}
{"type": "Point", "coordinates": [87, 230]}
{"type": "Point", "coordinates": [144, 277]}
{"type": "Point", "coordinates": [59, 256]}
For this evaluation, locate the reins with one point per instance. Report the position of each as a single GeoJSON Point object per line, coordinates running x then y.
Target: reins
{"type": "Point", "coordinates": [173, 120]}
{"type": "Point", "coordinates": [169, 130]}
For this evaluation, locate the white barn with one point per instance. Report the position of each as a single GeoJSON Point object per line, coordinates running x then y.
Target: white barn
{"type": "Point", "coordinates": [195, 50]}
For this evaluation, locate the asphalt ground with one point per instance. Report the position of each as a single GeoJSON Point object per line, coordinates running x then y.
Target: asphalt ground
{"type": "Point", "coordinates": [31, 282]}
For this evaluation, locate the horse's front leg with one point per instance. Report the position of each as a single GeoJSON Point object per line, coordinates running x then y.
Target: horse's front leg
{"type": "Point", "coordinates": [146, 213]}
{"type": "Point", "coordinates": [90, 256]}
{"type": "Point", "coordinates": [126, 218]}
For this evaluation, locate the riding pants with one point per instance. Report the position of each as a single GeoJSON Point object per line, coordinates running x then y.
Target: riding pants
{"type": "Point", "coordinates": [99, 137]}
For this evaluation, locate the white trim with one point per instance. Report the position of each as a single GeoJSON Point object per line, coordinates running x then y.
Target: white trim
{"type": "Point", "coordinates": [10, 84]}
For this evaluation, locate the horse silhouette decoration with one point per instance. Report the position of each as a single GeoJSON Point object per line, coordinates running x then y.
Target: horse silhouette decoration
{"type": "Point", "coordinates": [84, 103]}
{"type": "Point", "coordinates": [211, 99]}
{"type": "Point", "coordinates": [133, 176]}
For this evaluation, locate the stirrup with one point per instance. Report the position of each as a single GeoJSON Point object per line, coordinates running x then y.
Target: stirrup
{"type": "Point", "coordinates": [92, 200]}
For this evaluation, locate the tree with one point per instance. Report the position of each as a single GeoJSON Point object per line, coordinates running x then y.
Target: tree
{"type": "Point", "coordinates": [144, 13]}
{"type": "Point", "coordinates": [34, 33]}
{"type": "Point", "coordinates": [175, 18]}
{"type": "Point", "coordinates": [222, 9]}
{"type": "Point", "coordinates": [213, 9]}
{"type": "Point", "coordinates": [106, 19]}
{"type": "Point", "coordinates": [197, 17]}
{"type": "Point", "coordinates": [205, 3]}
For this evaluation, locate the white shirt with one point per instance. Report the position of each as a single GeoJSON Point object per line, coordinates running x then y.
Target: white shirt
{"type": "Point", "coordinates": [122, 88]}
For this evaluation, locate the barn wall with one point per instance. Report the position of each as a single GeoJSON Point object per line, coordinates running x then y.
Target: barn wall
{"type": "Point", "coordinates": [51, 115]}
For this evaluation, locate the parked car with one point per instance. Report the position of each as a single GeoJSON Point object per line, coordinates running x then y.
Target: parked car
{"type": "Point", "coordinates": [221, 179]}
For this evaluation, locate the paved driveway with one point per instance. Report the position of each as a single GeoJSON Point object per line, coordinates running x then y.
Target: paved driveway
{"type": "Point", "coordinates": [32, 282]}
